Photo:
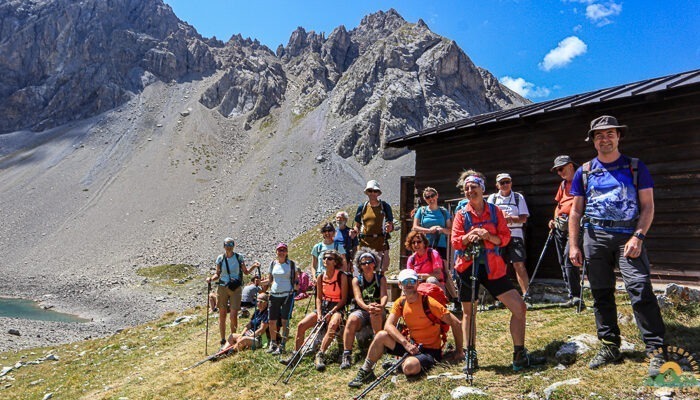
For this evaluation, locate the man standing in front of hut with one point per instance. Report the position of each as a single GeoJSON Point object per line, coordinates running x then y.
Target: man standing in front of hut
{"type": "Point", "coordinates": [614, 204]}
{"type": "Point", "coordinates": [565, 167]}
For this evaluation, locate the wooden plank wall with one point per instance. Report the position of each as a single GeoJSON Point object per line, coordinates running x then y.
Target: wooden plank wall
{"type": "Point", "coordinates": [664, 134]}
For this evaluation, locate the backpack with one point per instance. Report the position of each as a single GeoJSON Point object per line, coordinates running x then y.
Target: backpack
{"type": "Point", "coordinates": [292, 271]}
{"type": "Point", "coordinates": [430, 289]}
{"type": "Point", "coordinates": [493, 209]}
{"type": "Point", "coordinates": [516, 195]}
{"type": "Point", "coordinates": [361, 280]}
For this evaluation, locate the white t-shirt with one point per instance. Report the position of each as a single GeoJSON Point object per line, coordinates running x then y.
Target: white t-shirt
{"type": "Point", "coordinates": [511, 208]}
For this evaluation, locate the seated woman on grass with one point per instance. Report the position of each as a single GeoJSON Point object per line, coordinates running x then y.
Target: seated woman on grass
{"type": "Point", "coordinates": [252, 334]}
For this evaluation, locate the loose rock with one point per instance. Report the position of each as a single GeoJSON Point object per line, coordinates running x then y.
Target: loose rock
{"type": "Point", "coordinates": [463, 391]}
{"type": "Point", "coordinates": [551, 388]}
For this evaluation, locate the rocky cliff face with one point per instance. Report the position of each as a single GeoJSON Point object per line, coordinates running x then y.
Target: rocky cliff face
{"type": "Point", "coordinates": [64, 61]}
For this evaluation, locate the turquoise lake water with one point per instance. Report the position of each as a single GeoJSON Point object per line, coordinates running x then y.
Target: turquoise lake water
{"type": "Point", "coordinates": [28, 309]}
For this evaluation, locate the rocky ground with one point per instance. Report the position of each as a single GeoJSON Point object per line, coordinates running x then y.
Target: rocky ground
{"type": "Point", "coordinates": [159, 180]}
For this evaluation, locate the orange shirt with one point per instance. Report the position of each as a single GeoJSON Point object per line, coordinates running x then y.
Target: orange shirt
{"type": "Point", "coordinates": [332, 288]}
{"type": "Point", "coordinates": [564, 199]}
{"type": "Point", "coordinates": [421, 329]}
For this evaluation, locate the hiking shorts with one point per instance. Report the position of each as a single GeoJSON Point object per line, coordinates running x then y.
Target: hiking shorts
{"type": "Point", "coordinates": [226, 297]}
{"type": "Point", "coordinates": [496, 286]}
{"type": "Point", "coordinates": [280, 306]}
{"type": "Point", "coordinates": [427, 357]}
{"type": "Point", "coordinates": [363, 316]}
{"type": "Point", "coordinates": [515, 251]}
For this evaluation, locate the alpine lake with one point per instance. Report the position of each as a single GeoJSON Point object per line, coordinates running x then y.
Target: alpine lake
{"type": "Point", "coordinates": [29, 309]}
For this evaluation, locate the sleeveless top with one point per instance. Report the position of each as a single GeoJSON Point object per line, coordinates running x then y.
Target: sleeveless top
{"type": "Point", "coordinates": [332, 288]}
{"type": "Point", "coordinates": [370, 290]}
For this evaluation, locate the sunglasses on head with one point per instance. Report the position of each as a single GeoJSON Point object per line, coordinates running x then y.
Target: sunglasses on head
{"type": "Point", "coordinates": [409, 281]}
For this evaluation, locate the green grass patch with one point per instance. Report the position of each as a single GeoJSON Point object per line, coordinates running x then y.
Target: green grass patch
{"type": "Point", "coordinates": [168, 274]}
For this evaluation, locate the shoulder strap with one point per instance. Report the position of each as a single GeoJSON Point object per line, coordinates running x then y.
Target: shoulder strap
{"type": "Point", "coordinates": [493, 209]}
{"type": "Point", "coordinates": [467, 219]}
{"type": "Point", "coordinates": [335, 245]}
{"type": "Point", "coordinates": [517, 199]}
{"type": "Point", "coordinates": [293, 272]}
{"type": "Point", "coordinates": [422, 214]}
{"type": "Point", "coordinates": [426, 309]}
{"type": "Point", "coordinates": [634, 169]}
{"type": "Point", "coordinates": [585, 171]}
{"type": "Point", "coordinates": [443, 210]}
{"type": "Point", "coordinates": [491, 198]}
{"type": "Point", "coordinates": [240, 266]}
{"type": "Point", "coordinates": [272, 265]}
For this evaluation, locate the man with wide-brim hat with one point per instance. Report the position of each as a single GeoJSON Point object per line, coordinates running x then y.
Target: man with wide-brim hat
{"type": "Point", "coordinates": [614, 206]}
{"type": "Point", "coordinates": [374, 221]}
{"type": "Point", "coordinates": [565, 167]}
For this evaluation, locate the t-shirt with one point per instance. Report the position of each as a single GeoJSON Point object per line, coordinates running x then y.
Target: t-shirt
{"type": "Point", "coordinates": [427, 263]}
{"type": "Point", "coordinates": [564, 200]}
{"type": "Point", "coordinates": [429, 218]}
{"type": "Point", "coordinates": [249, 294]}
{"type": "Point", "coordinates": [611, 194]}
{"type": "Point", "coordinates": [282, 275]}
{"type": "Point", "coordinates": [319, 249]}
{"type": "Point", "coordinates": [233, 267]}
{"type": "Point", "coordinates": [342, 236]}
{"type": "Point", "coordinates": [512, 209]}
{"type": "Point", "coordinates": [259, 317]}
{"type": "Point", "coordinates": [420, 328]}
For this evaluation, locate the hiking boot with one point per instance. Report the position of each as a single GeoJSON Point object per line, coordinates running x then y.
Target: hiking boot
{"type": "Point", "coordinates": [277, 351]}
{"type": "Point", "coordinates": [319, 364]}
{"type": "Point", "coordinates": [362, 378]}
{"type": "Point", "coordinates": [573, 302]}
{"type": "Point", "coordinates": [655, 364]}
{"type": "Point", "coordinates": [272, 348]}
{"type": "Point", "coordinates": [288, 360]}
{"type": "Point", "coordinates": [222, 344]}
{"type": "Point", "coordinates": [523, 359]}
{"type": "Point", "coordinates": [346, 361]}
{"type": "Point", "coordinates": [609, 352]}
{"type": "Point", "coordinates": [465, 369]}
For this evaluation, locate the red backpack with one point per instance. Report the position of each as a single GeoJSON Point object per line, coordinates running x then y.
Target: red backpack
{"type": "Point", "coordinates": [430, 289]}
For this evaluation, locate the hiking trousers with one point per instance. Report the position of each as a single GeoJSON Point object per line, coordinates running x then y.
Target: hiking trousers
{"type": "Point", "coordinates": [604, 251]}
{"type": "Point", "coordinates": [569, 272]}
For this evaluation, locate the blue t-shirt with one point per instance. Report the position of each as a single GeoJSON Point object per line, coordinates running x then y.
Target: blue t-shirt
{"type": "Point", "coordinates": [233, 267]}
{"type": "Point", "coordinates": [611, 194]}
{"type": "Point", "coordinates": [320, 248]}
{"type": "Point", "coordinates": [259, 317]}
{"type": "Point", "coordinates": [342, 236]}
{"type": "Point", "coordinates": [429, 218]}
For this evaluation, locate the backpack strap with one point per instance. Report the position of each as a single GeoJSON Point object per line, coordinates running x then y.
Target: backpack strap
{"type": "Point", "coordinates": [634, 169]}
{"type": "Point", "coordinates": [272, 265]}
{"type": "Point", "coordinates": [293, 272]}
{"type": "Point", "coordinates": [585, 171]}
{"type": "Point", "coordinates": [240, 267]}
{"type": "Point", "coordinates": [491, 198]}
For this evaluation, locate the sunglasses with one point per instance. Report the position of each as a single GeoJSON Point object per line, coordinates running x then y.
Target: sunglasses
{"type": "Point", "coordinates": [409, 281]}
{"type": "Point", "coordinates": [329, 258]}
{"type": "Point", "coordinates": [367, 262]}
{"type": "Point", "coordinates": [560, 169]}
{"type": "Point", "coordinates": [504, 182]}
{"type": "Point", "coordinates": [327, 231]}
{"type": "Point", "coordinates": [417, 242]}
{"type": "Point", "coordinates": [228, 244]}
{"type": "Point", "coordinates": [372, 191]}
{"type": "Point", "coordinates": [429, 196]}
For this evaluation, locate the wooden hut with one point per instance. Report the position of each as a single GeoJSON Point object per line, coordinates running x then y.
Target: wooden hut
{"type": "Point", "coordinates": [663, 115]}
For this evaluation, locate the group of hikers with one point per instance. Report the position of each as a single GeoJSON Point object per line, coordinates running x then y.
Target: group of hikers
{"type": "Point", "coordinates": [604, 210]}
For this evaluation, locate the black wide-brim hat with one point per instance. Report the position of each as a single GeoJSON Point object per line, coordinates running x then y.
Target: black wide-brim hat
{"type": "Point", "coordinates": [605, 122]}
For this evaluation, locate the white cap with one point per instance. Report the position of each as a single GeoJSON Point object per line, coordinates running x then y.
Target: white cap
{"type": "Point", "coordinates": [407, 274]}
{"type": "Point", "coordinates": [502, 176]}
{"type": "Point", "coordinates": [374, 185]}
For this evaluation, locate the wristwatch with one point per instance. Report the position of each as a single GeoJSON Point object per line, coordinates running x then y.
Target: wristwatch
{"type": "Point", "coordinates": [639, 235]}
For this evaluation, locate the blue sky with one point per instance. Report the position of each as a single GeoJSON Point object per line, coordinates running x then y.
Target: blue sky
{"type": "Point", "coordinates": [543, 49]}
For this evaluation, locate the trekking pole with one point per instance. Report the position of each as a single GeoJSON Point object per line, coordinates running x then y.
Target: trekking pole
{"type": "Point", "coordinates": [306, 348]}
{"type": "Point", "coordinates": [537, 266]}
{"type": "Point", "coordinates": [583, 275]}
{"type": "Point", "coordinates": [298, 355]}
{"type": "Point", "coordinates": [385, 375]}
{"type": "Point", "coordinates": [206, 337]}
{"type": "Point", "coordinates": [470, 366]}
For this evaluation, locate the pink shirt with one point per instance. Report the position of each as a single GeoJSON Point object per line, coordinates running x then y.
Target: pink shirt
{"type": "Point", "coordinates": [427, 263]}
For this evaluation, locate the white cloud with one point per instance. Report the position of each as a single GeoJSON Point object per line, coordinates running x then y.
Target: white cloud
{"type": "Point", "coordinates": [562, 55]}
{"type": "Point", "coordinates": [578, 28]}
{"type": "Point", "coordinates": [599, 14]}
{"type": "Point", "coordinates": [524, 88]}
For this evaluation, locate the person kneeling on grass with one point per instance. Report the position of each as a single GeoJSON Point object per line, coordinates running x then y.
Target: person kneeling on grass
{"type": "Point", "coordinates": [252, 335]}
{"type": "Point", "coordinates": [331, 296]}
{"type": "Point", "coordinates": [421, 331]}
{"type": "Point", "coordinates": [370, 296]}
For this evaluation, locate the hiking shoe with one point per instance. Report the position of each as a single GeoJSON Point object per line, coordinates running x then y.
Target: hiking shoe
{"type": "Point", "coordinates": [573, 302]}
{"type": "Point", "coordinates": [523, 359]}
{"type": "Point", "coordinates": [288, 360]}
{"type": "Point", "coordinates": [362, 378]}
{"type": "Point", "coordinates": [465, 369]}
{"type": "Point", "coordinates": [272, 348]}
{"type": "Point", "coordinates": [655, 364]}
{"type": "Point", "coordinates": [346, 361]}
{"type": "Point", "coordinates": [277, 351]}
{"type": "Point", "coordinates": [608, 353]}
{"type": "Point", "coordinates": [319, 364]}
